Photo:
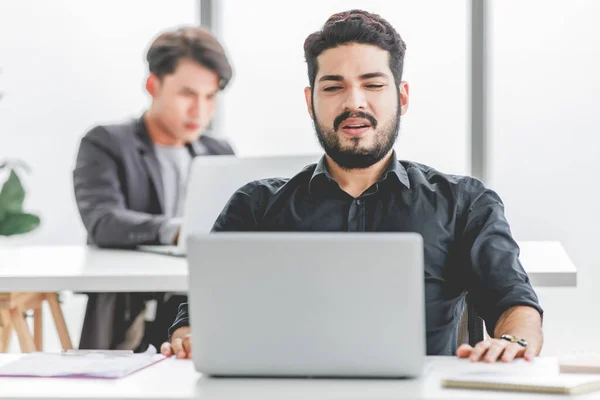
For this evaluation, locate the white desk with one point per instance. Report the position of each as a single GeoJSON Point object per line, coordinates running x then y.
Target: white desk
{"type": "Point", "coordinates": [176, 379]}
{"type": "Point", "coordinates": [547, 264]}
{"type": "Point", "coordinates": [88, 269]}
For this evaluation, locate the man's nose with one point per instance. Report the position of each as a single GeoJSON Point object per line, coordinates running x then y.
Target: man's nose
{"type": "Point", "coordinates": [355, 100]}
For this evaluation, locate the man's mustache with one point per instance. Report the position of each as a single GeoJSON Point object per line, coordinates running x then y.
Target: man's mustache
{"type": "Point", "coordinates": [357, 114]}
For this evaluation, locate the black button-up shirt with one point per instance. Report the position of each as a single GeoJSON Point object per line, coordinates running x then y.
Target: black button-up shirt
{"type": "Point", "coordinates": [468, 246]}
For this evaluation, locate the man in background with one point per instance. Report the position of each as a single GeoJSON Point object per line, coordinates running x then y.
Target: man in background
{"type": "Point", "coordinates": [130, 178]}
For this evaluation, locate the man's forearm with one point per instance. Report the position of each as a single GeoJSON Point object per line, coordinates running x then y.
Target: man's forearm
{"type": "Point", "coordinates": [122, 227]}
{"type": "Point", "coordinates": [523, 322]}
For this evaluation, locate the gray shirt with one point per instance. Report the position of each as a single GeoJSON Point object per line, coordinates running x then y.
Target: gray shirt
{"type": "Point", "coordinates": [174, 167]}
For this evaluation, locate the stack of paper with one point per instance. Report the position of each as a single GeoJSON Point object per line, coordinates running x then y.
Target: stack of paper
{"type": "Point", "coordinates": [563, 383]}
{"type": "Point", "coordinates": [580, 363]}
{"type": "Point", "coordinates": [92, 365]}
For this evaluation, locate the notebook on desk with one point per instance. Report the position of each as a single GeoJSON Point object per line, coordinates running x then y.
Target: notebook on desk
{"type": "Point", "coordinates": [559, 384]}
{"type": "Point", "coordinates": [580, 363]}
{"type": "Point", "coordinates": [73, 365]}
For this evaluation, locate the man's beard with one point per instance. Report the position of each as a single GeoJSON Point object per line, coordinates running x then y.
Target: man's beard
{"type": "Point", "coordinates": [355, 156]}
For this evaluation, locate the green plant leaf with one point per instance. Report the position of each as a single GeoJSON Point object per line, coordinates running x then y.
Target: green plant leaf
{"type": "Point", "coordinates": [12, 195]}
{"type": "Point", "coordinates": [16, 224]}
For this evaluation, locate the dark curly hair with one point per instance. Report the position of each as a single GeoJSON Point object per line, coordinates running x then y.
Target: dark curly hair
{"type": "Point", "coordinates": [355, 26]}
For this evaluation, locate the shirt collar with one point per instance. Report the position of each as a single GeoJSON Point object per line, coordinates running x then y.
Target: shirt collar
{"type": "Point", "coordinates": [395, 167]}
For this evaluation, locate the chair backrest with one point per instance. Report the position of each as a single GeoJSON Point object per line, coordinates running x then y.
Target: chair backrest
{"type": "Point", "coordinates": [471, 328]}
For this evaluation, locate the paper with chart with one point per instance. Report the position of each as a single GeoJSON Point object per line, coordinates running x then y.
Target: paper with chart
{"type": "Point", "coordinates": [99, 365]}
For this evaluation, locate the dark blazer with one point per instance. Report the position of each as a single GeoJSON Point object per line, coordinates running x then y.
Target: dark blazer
{"type": "Point", "coordinates": [118, 184]}
{"type": "Point", "coordinates": [119, 193]}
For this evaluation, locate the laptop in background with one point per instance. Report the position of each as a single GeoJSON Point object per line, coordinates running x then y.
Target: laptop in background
{"type": "Point", "coordinates": [307, 304]}
{"type": "Point", "coordinates": [214, 179]}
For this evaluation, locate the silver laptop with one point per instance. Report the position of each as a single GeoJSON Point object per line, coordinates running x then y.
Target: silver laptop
{"type": "Point", "coordinates": [307, 304]}
{"type": "Point", "coordinates": [213, 179]}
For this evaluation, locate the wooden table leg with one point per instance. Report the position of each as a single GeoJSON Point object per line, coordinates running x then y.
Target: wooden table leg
{"type": "Point", "coordinates": [6, 331]}
{"type": "Point", "coordinates": [59, 321]}
{"type": "Point", "coordinates": [38, 335]}
{"type": "Point", "coordinates": [23, 333]}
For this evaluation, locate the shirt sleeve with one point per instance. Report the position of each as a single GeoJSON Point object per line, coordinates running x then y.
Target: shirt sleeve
{"type": "Point", "coordinates": [99, 196]}
{"type": "Point", "coordinates": [496, 279]}
{"type": "Point", "coordinates": [182, 319]}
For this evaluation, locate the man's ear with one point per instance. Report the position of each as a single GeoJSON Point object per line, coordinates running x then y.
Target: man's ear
{"type": "Point", "coordinates": [153, 85]}
{"type": "Point", "coordinates": [403, 100]}
{"type": "Point", "coordinates": [308, 98]}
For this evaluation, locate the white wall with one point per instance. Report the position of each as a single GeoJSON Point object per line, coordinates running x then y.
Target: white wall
{"type": "Point", "coordinates": [66, 66]}
{"type": "Point", "coordinates": [546, 146]}
{"type": "Point", "coordinates": [265, 111]}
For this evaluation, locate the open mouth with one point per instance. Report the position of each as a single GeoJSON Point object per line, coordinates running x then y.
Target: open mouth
{"type": "Point", "coordinates": [355, 126]}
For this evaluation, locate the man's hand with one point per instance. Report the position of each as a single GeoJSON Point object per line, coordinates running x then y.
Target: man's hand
{"type": "Point", "coordinates": [492, 350]}
{"type": "Point", "coordinates": [181, 344]}
{"type": "Point", "coordinates": [520, 321]}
